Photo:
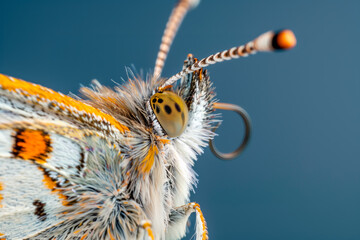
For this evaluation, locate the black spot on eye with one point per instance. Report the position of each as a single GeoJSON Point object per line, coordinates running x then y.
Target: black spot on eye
{"type": "Point", "coordinates": [160, 100]}
{"type": "Point", "coordinates": [154, 100]}
{"type": "Point", "coordinates": [177, 107]}
{"type": "Point", "coordinates": [167, 109]}
{"type": "Point", "coordinates": [183, 117]}
{"type": "Point", "coordinates": [157, 109]}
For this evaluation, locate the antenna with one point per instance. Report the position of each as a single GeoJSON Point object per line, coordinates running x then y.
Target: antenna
{"type": "Point", "coordinates": [172, 26]}
{"type": "Point", "coordinates": [269, 41]}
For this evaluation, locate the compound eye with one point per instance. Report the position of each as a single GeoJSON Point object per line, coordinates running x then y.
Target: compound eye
{"type": "Point", "coordinates": [171, 112]}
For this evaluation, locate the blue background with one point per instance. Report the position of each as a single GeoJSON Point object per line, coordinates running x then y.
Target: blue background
{"type": "Point", "coordinates": [299, 178]}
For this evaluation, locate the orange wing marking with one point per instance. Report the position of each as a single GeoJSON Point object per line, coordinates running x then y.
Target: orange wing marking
{"type": "Point", "coordinates": [51, 185]}
{"type": "Point", "coordinates": [32, 145]}
{"type": "Point", "coordinates": [66, 105]}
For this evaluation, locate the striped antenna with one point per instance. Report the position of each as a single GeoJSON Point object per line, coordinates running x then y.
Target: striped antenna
{"type": "Point", "coordinates": [172, 26]}
{"type": "Point", "coordinates": [269, 41]}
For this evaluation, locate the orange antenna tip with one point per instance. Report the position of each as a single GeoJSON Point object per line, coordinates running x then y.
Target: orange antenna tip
{"type": "Point", "coordinates": [284, 39]}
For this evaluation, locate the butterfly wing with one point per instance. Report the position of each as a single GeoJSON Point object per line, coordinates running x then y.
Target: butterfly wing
{"type": "Point", "coordinates": [31, 101]}
{"type": "Point", "coordinates": [37, 159]}
{"type": "Point", "coordinates": [45, 142]}
{"type": "Point", "coordinates": [27, 203]}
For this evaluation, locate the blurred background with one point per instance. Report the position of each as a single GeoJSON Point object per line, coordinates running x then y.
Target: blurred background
{"type": "Point", "coordinates": [299, 177]}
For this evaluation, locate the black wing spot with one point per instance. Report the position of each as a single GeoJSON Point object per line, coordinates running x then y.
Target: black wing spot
{"type": "Point", "coordinates": [154, 100]}
{"type": "Point", "coordinates": [40, 209]}
{"type": "Point", "coordinates": [157, 109]}
{"type": "Point", "coordinates": [177, 107]}
{"type": "Point", "coordinates": [160, 100]}
{"type": "Point", "coordinates": [183, 117]}
{"type": "Point", "coordinates": [153, 106]}
{"type": "Point", "coordinates": [167, 109]}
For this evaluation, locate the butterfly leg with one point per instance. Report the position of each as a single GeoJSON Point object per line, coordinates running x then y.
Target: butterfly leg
{"type": "Point", "coordinates": [179, 217]}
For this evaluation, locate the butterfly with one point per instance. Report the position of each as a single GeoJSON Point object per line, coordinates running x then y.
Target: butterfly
{"type": "Point", "coordinates": [118, 164]}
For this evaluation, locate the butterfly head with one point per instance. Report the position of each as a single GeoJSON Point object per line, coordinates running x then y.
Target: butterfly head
{"type": "Point", "coordinates": [195, 87]}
